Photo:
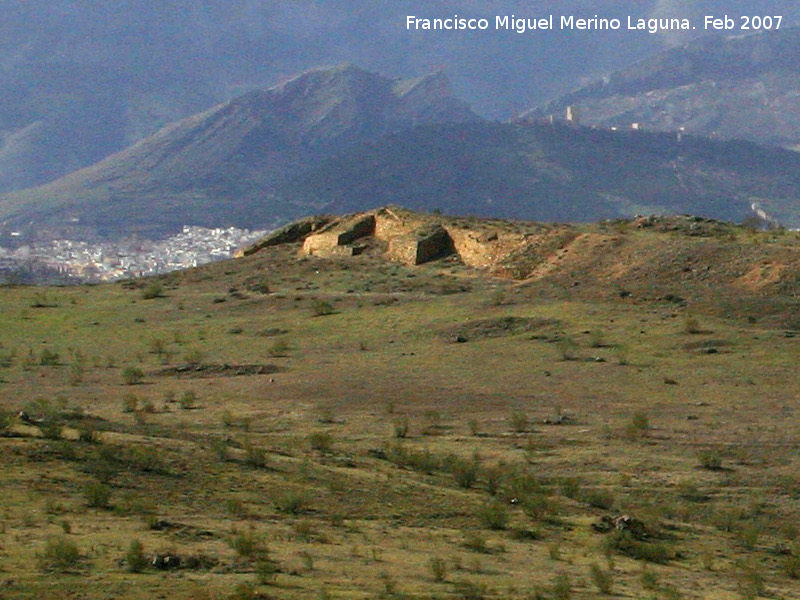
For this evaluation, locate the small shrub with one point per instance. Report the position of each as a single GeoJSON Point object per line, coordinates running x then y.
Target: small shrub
{"type": "Point", "coordinates": [243, 591]}
{"type": "Point", "coordinates": [603, 580]}
{"type": "Point", "coordinates": [132, 375]}
{"type": "Point", "coordinates": [48, 358]}
{"type": "Point", "coordinates": [649, 579]}
{"type": "Point", "coordinates": [188, 400]}
{"type": "Point", "coordinates": [597, 338]}
{"type": "Point", "coordinates": [691, 324]}
{"type": "Point", "coordinates": [279, 348]}
{"type": "Point", "coordinates": [748, 536]}
{"type": "Point", "coordinates": [98, 495]}
{"type": "Point", "coordinates": [321, 308]}
{"type": "Point", "coordinates": [438, 569]}
{"type": "Point", "coordinates": [135, 558]}
{"type": "Point", "coordinates": [89, 435]}
{"type": "Point", "coordinates": [154, 290]}
{"type": "Point", "coordinates": [791, 565]}
{"type": "Point", "coordinates": [476, 542]}
{"type": "Point", "coordinates": [519, 421]}
{"type": "Point", "coordinates": [470, 590]}
{"type": "Point", "coordinates": [60, 554]}
{"type": "Point", "coordinates": [321, 441]}
{"type": "Point", "coordinates": [710, 459]}
{"type": "Point", "coordinates": [623, 542]}
{"type": "Point", "coordinates": [567, 348]}
{"type": "Point", "coordinates": [6, 419]}
{"type": "Point", "coordinates": [248, 545]}
{"type": "Point", "coordinates": [266, 571]}
{"type": "Point", "coordinates": [640, 421]}
{"type": "Point", "coordinates": [562, 588]}
{"type": "Point", "coordinates": [465, 471]}
{"type": "Point", "coordinates": [291, 502]}
{"type": "Point", "coordinates": [603, 499]}
{"type": "Point", "coordinates": [401, 428]}
{"type": "Point", "coordinates": [256, 457]}
{"type": "Point", "coordinates": [494, 515]}
{"type": "Point", "coordinates": [193, 356]}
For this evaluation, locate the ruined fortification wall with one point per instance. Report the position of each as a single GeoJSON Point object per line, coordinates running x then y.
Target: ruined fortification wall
{"type": "Point", "coordinates": [483, 249]}
{"type": "Point", "coordinates": [421, 245]}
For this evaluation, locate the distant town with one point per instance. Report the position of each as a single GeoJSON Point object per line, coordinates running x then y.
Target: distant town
{"type": "Point", "coordinates": [69, 261]}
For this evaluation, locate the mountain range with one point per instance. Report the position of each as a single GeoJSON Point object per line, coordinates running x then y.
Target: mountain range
{"type": "Point", "coordinates": [81, 80]}
{"type": "Point", "coordinates": [346, 139]}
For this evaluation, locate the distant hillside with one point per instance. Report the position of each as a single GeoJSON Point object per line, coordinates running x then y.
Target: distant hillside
{"type": "Point", "coordinates": [248, 164]}
{"type": "Point", "coordinates": [555, 173]}
{"type": "Point", "coordinates": [218, 167]}
{"type": "Point", "coordinates": [742, 87]}
{"type": "Point", "coordinates": [80, 80]}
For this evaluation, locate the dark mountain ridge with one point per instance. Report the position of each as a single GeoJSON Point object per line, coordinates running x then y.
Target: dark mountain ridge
{"type": "Point", "coordinates": [217, 166]}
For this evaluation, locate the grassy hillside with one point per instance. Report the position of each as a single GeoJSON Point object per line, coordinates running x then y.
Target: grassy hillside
{"type": "Point", "coordinates": [294, 427]}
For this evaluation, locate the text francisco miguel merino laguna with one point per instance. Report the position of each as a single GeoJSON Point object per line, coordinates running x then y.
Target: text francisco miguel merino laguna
{"type": "Point", "coordinates": [570, 22]}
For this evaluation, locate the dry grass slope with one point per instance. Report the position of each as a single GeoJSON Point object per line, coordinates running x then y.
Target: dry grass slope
{"type": "Point", "coordinates": [440, 432]}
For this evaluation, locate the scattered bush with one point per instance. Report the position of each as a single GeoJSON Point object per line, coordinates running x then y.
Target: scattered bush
{"type": "Point", "coordinates": [465, 471]}
{"type": "Point", "coordinates": [243, 591]}
{"type": "Point", "coordinates": [691, 324]}
{"type": "Point", "coordinates": [154, 290]}
{"type": "Point", "coordinates": [132, 375]}
{"type": "Point", "coordinates": [98, 495]}
{"type": "Point", "coordinates": [519, 421]}
{"type": "Point", "coordinates": [248, 545]}
{"type": "Point", "coordinates": [649, 579]}
{"type": "Point", "coordinates": [321, 308]}
{"type": "Point", "coordinates": [256, 457]}
{"type": "Point", "coordinates": [603, 580]}
{"type": "Point", "coordinates": [600, 499]}
{"type": "Point", "coordinates": [622, 541]}
{"type": "Point", "coordinates": [401, 428]}
{"type": "Point", "coordinates": [135, 558]}
{"type": "Point", "coordinates": [60, 554]}
{"type": "Point", "coordinates": [48, 358]}
{"type": "Point", "coordinates": [710, 459]}
{"type": "Point", "coordinates": [279, 348]}
{"type": "Point", "coordinates": [567, 348]}
{"type": "Point", "coordinates": [322, 441]}
{"type": "Point", "coordinates": [597, 338]}
{"type": "Point", "coordinates": [266, 570]}
{"type": "Point", "coordinates": [438, 569]}
{"type": "Point", "coordinates": [470, 590]}
{"type": "Point", "coordinates": [188, 400]}
{"type": "Point", "coordinates": [88, 434]}
{"type": "Point", "coordinates": [476, 542]}
{"type": "Point", "coordinates": [562, 588]}
{"type": "Point", "coordinates": [291, 502]}
{"type": "Point", "coordinates": [494, 515]}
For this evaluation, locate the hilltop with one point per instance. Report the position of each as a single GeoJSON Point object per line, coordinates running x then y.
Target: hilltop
{"type": "Point", "coordinates": [682, 260]}
{"type": "Point", "coordinates": [739, 87]}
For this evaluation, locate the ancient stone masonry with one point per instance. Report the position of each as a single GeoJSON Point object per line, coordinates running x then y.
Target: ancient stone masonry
{"type": "Point", "coordinates": [335, 238]}
{"type": "Point", "coordinates": [421, 246]}
{"type": "Point", "coordinates": [293, 232]}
